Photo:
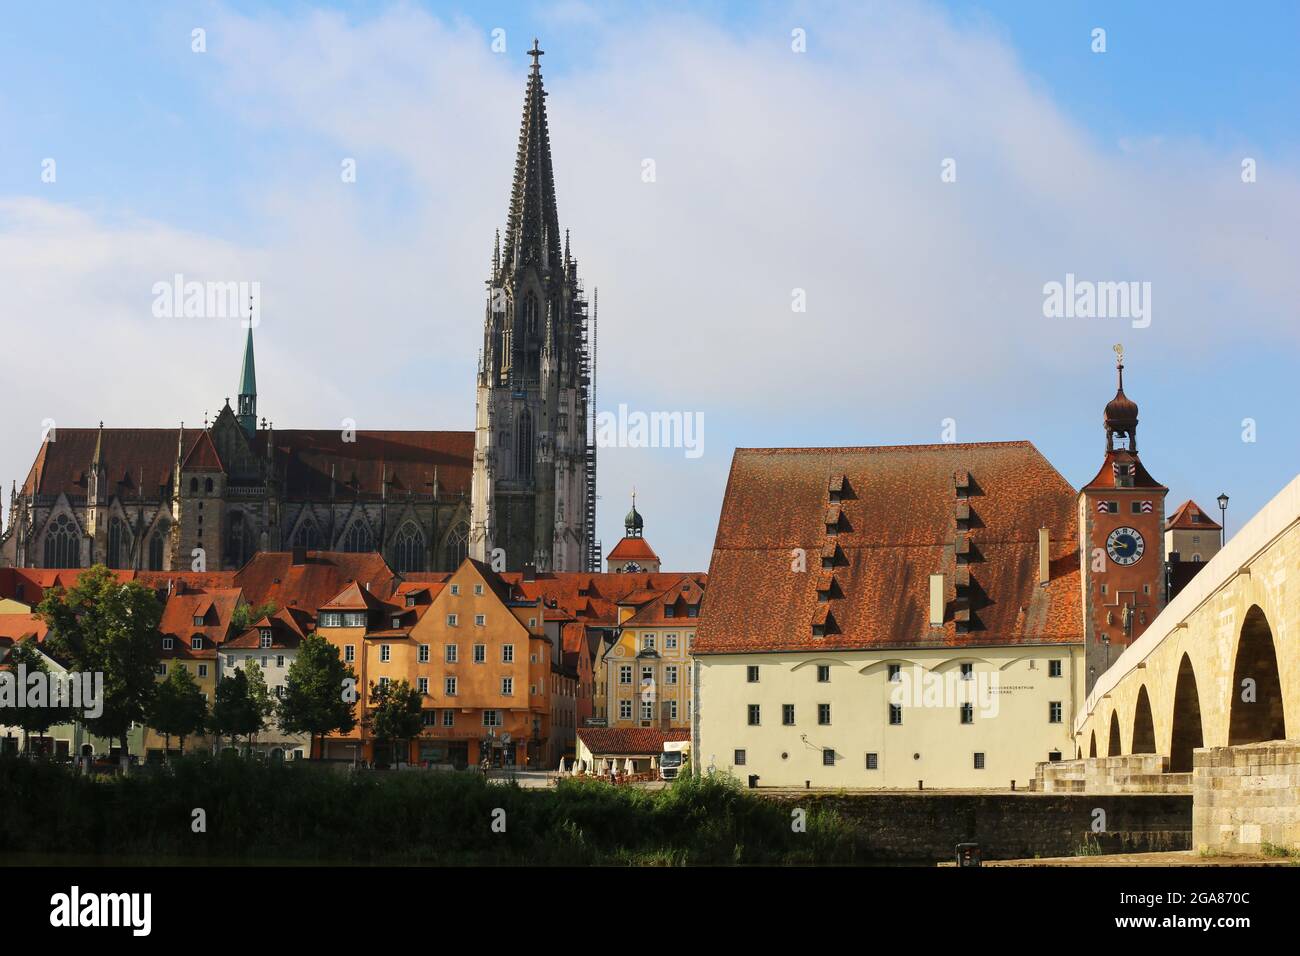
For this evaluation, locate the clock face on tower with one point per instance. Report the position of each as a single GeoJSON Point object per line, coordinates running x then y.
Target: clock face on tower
{"type": "Point", "coordinates": [1125, 546]}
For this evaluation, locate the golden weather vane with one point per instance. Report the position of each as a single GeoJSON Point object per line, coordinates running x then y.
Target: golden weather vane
{"type": "Point", "coordinates": [1119, 353]}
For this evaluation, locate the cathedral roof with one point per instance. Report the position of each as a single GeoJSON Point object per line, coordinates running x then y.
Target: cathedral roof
{"type": "Point", "coordinates": [310, 583]}
{"type": "Point", "coordinates": [146, 457]}
{"type": "Point", "coordinates": [62, 465]}
{"type": "Point", "coordinates": [898, 524]}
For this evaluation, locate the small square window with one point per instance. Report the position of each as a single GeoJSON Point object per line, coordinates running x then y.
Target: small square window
{"type": "Point", "coordinates": [480, 620]}
{"type": "Point", "coordinates": [452, 620]}
{"type": "Point", "coordinates": [455, 590]}
{"type": "Point", "coordinates": [739, 758]}
{"type": "Point", "coordinates": [478, 590]}
{"type": "Point", "coordinates": [828, 757]}
{"type": "Point", "coordinates": [873, 761]}
{"type": "Point", "coordinates": [979, 761]}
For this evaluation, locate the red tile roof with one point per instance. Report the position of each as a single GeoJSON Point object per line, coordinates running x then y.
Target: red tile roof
{"type": "Point", "coordinates": [1191, 517]}
{"type": "Point", "coordinates": [682, 596]}
{"type": "Point", "coordinates": [899, 526]}
{"type": "Point", "coordinates": [1106, 478]}
{"type": "Point", "coordinates": [288, 628]}
{"type": "Point", "coordinates": [628, 741]}
{"type": "Point", "coordinates": [20, 627]}
{"type": "Point", "coordinates": [633, 549]}
{"type": "Point", "coordinates": [202, 456]}
{"type": "Point", "coordinates": [272, 576]}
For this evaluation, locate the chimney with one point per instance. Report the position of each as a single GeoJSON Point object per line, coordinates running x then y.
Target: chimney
{"type": "Point", "coordinates": [530, 571]}
{"type": "Point", "coordinates": [299, 555]}
{"type": "Point", "coordinates": [936, 600]}
{"type": "Point", "coordinates": [1044, 557]}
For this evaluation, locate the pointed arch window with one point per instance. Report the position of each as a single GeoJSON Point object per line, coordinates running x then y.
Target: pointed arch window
{"type": "Point", "coordinates": [62, 547]}
{"type": "Point", "coordinates": [157, 546]}
{"type": "Point", "coordinates": [530, 313]}
{"type": "Point", "coordinates": [524, 446]}
{"type": "Point", "coordinates": [119, 544]}
{"type": "Point", "coordinates": [358, 538]}
{"type": "Point", "coordinates": [457, 547]}
{"type": "Point", "coordinates": [307, 536]}
{"type": "Point", "coordinates": [408, 550]}
{"type": "Point", "coordinates": [239, 544]}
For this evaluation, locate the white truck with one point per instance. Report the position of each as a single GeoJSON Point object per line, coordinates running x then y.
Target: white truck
{"type": "Point", "coordinates": [676, 754]}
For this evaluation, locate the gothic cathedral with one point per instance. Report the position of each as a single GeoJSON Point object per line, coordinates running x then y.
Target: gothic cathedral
{"type": "Point", "coordinates": [534, 463]}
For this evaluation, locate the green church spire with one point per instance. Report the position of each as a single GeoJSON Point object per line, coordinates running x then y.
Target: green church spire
{"type": "Point", "coordinates": [248, 388]}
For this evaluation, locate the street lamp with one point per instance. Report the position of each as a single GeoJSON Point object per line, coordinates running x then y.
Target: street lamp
{"type": "Point", "coordinates": [1223, 519]}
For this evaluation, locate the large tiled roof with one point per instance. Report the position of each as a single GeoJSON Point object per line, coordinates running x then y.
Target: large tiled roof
{"type": "Point", "coordinates": [132, 457]}
{"type": "Point", "coordinates": [628, 741]}
{"type": "Point", "coordinates": [63, 464]}
{"type": "Point", "coordinates": [273, 576]}
{"type": "Point", "coordinates": [593, 598]}
{"type": "Point", "coordinates": [896, 525]}
{"type": "Point", "coordinates": [409, 460]}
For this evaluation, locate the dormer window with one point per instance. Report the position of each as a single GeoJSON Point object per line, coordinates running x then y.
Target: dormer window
{"type": "Point", "coordinates": [670, 611]}
{"type": "Point", "coordinates": [410, 600]}
{"type": "Point", "coordinates": [265, 635]}
{"type": "Point", "coordinates": [198, 620]}
{"type": "Point", "coordinates": [168, 643]}
{"type": "Point", "coordinates": [196, 642]}
{"type": "Point", "coordinates": [397, 622]}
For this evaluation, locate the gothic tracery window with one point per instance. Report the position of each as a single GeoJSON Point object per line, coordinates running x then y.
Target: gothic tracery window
{"type": "Point", "coordinates": [358, 538]}
{"type": "Point", "coordinates": [408, 550]}
{"type": "Point", "coordinates": [307, 536]}
{"type": "Point", "coordinates": [62, 547]}
{"type": "Point", "coordinates": [457, 548]}
{"type": "Point", "coordinates": [157, 546]}
{"type": "Point", "coordinates": [119, 544]}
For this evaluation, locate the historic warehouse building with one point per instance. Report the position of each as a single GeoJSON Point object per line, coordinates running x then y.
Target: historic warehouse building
{"type": "Point", "coordinates": [522, 484]}
{"type": "Point", "coordinates": [928, 614]}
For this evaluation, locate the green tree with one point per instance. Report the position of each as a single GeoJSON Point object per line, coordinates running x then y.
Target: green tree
{"type": "Point", "coordinates": [32, 719]}
{"type": "Point", "coordinates": [246, 615]}
{"type": "Point", "coordinates": [394, 713]}
{"type": "Point", "coordinates": [103, 626]}
{"type": "Point", "coordinates": [259, 696]}
{"type": "Point", "coordinates": [319, 692]}
{"type": "Point", "coordinates": [234, 711]}
{"type": "Point", "coordinates": [178, 708]}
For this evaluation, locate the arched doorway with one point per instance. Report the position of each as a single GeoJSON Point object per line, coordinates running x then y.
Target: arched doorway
{"type": "Point", "coordinates": [1257, 712]}
{"type": "Point", "coordinates": [1092, 745]}
{"type": "Point", "coordinates": [1187, 735]}
{"type": "Point", "coordinates": [1114, 748]}
{"type": "Point", "coordinates": [1144, 727]}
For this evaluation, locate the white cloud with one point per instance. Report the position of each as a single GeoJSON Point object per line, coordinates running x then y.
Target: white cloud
{"type": "Point", "coordinates": [775, 170]}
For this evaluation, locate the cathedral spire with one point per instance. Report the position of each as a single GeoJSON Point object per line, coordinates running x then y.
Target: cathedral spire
{"type": "Point", "coordinates": [248, 387]}
{"type": "Point", "coordinates": [533, 231]}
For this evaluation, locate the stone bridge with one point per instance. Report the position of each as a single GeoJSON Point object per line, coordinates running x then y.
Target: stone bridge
{"type": "Point", "coordinates": [1218, 668]}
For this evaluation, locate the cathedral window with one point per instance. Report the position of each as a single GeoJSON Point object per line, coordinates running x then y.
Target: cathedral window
{"type": "Point", "coordinates": [408, 550]}
{"type": "Point", "coordinates": [207, 486]}
{"type": "Point", "coordinates": [307, 536]}
{"type": "Point", "coordinates": [457, 548]}
{"type": "Point", "coordinates": [157, 546]}
{"type": "Point", "coordinates": [358, 538]}
{"type": "Point", "coordinates": [530, 313]}
{"type": "Point", "coordinates": [62, 547]}
{"type": "Point", "coordinates": [119, 544]}
{"type": "Point", "coordinates": [524, 447]}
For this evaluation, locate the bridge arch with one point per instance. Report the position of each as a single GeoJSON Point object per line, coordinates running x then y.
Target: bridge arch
{"type": "Point", "coordinates": [1144, 726]}
{"type": "Point", "coordinates": [1187, 731]}
{"type": "Point", "coordinates": [1256, 710]}
{"type": "Point", "coordinates": [1114, 747]}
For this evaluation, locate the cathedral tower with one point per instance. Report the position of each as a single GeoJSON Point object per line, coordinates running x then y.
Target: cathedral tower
{"type": "Point", "coordinates": [1121, 517]}
{"type": "Point", "coordinates": [534, 464]}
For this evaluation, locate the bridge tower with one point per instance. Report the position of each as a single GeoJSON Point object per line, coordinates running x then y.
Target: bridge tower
{"type": "Point", "coordinates": [1121, 519]}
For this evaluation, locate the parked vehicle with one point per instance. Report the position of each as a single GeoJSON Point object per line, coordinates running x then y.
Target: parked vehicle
{"type": "Point", "coordinates": [674, 758]}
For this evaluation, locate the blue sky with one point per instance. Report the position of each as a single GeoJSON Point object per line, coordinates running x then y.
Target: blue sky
{"type": "Point", "coordinates": [777, 171]}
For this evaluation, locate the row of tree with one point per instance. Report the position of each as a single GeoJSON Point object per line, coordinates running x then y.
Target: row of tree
{"type": "Point", "coordinates": [104, 626]}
